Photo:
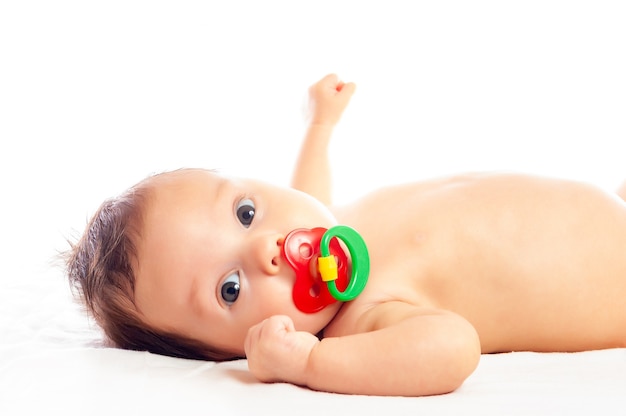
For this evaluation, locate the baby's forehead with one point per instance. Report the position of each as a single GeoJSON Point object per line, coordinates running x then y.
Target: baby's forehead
{"type": "Point", "coordinates": [179, 175]}
{"type": "Point", "coordinates": [202, 184]}
{"type": "Point", "coordinates": [177, 181]}
{"type": "Point", "coordinates": [177, 201]}
{"type": "Point", "coordinates": [196, 193]}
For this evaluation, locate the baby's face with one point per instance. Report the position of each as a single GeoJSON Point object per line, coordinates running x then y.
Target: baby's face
{"type": "Point", "coordinates": [209, 259]}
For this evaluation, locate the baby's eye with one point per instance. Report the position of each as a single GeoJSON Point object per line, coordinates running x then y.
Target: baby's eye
{"type": "Point", "coordinates": [245, 212]}
{"type": "Point", "coordinates": [230, 288]}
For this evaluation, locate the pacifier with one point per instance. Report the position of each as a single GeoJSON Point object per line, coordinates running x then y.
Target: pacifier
{"type": "Point", "coordinates": [321, 266]}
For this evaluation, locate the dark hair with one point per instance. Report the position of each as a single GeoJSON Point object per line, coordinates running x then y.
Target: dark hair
{"type": "Point", "coordinates": [100, 270]}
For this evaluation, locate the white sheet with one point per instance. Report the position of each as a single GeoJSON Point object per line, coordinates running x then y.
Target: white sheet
{"type": "Point", "coordinates": [52, 358]}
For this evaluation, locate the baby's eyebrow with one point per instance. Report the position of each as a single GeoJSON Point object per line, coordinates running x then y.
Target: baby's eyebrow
{"type": "Point", "coordinates": [192, 297]}
{"type": "Point", "coordinates": [222, 190]}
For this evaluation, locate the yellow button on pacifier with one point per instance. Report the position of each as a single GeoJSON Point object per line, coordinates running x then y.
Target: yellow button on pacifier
{"type": "Point", "coordinates": [328, 268]}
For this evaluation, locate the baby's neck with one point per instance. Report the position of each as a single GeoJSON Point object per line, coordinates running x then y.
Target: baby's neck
{"type": "Point", "coordinates": [339, 306]}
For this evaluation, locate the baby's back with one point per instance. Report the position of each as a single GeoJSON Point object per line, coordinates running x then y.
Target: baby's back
{"type": "Point", "coordinates": [532, 263]}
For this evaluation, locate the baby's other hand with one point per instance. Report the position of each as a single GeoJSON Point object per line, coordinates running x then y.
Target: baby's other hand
{"type": "Point", "coordinates": [277, 352]}
{"type": "Point", "coordinates": [328, 98]}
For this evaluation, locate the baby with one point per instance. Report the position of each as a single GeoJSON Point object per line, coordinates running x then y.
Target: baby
{"type": "Point", "coordinates": [190, 264]}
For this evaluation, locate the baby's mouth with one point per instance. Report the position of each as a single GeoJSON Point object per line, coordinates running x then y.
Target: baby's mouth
{"type": "Point", "coordinates": [301, 249]}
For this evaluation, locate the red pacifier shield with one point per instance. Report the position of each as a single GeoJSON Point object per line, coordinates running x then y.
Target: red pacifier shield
{"type": "Point", "coordinates": [301, 249]}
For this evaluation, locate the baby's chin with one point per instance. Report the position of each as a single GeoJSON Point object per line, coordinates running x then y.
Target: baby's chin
{"type": "Point", "coordinates": [315, 323]}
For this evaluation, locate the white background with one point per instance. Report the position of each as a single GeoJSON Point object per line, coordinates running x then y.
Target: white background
{"type": "Point", "coordinates": [94, 96]}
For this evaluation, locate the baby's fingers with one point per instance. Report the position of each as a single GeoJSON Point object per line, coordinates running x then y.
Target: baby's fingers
{"type": "Point", "coordinates": [331, 84]}
{"type": "Point", "coordinates": [329, 81]}
{"type": "Point", "coordinates": [269, 330]}
{"type": "Point", "coordinates": [346, 88]}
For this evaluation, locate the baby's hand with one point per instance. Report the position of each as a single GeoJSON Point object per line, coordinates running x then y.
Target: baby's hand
{"type": "Point", "coordinates": [277, 352]}
{"type": "Point", "coordinates": [327, 100]}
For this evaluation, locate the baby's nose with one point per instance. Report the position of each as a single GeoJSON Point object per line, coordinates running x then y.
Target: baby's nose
{"type": "Point", "coordinates": [267, 249]}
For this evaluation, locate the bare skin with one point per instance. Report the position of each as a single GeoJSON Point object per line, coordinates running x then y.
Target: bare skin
{"type": "Point", "coordinates": [533, 264]}
{"type": "Point", "coordinates": [621, 191]}
{"type": "Point", "coordinates": [460, 266]}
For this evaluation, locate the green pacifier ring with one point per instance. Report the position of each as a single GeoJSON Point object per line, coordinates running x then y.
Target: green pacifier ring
{"type": "Point", "coordinates": [360, 261]}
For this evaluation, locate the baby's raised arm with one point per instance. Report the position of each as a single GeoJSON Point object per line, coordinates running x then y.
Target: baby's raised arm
{"type": "Point", "coordinates": [328, 98]}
